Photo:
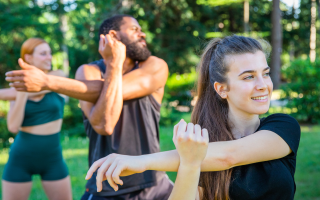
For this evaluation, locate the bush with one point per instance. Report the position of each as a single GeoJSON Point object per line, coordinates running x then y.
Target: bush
{"type": "Point", "coordinates": [302, 90]}
{"type": "Point", "coordinates": [72, 119]}
{"type": "Point", "coordinates": [178, 92]}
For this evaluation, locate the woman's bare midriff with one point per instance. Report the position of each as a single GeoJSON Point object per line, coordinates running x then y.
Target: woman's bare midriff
{"type": "Point", "coordinates": [44, 129]}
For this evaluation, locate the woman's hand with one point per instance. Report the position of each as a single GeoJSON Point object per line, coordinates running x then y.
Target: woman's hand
{"type": "Point", "coordinates": [113, 166]}
{"type": "Point", "coordinates": [191, 143]}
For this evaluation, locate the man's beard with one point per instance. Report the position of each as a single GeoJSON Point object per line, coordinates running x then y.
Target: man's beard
{"type": "Point", "coordinates": [134, 50]}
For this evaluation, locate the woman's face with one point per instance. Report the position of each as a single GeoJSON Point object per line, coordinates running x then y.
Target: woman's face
{"type": "Point", "coordinates": [41, 57]}
{"type": "Point", "coordinates": [249, 84]}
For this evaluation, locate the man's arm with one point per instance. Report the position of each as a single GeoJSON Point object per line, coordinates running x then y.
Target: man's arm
{"type": "Point", "coordinates": [146, 80]}
{"type": "Point", "coordinates": [11, 93]}
{"type": "Point", "coordinates": [150, 78]}
{"type": "Point", "coordinates": [32, 79]}
{"type": "Point", "coordinates": [97, 113]}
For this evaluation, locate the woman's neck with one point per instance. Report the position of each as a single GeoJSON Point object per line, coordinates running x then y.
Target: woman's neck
{"type": "Point", "coordinates": [243, 124]}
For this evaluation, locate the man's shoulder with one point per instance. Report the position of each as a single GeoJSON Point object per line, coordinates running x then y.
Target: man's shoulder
{"type": "Point", "coordinates": [154, 63]}
{"type": "Point", "coordinates": [153, 59]}
{"type": "Point", "coordinates": [88, 70]}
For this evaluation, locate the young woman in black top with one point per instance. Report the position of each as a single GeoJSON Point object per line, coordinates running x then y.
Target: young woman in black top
{"type": "Point", "coordinates": [247, 158]}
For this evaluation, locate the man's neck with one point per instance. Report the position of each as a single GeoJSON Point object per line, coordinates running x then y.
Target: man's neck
{"type": "Point", "coordinates": [128, 65]}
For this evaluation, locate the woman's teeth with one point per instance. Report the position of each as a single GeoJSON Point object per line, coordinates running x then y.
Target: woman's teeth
{"type": "Point", "coordinates": [259, 98]}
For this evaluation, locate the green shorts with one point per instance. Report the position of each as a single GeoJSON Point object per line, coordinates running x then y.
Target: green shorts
{"type": "Point", "coordinates": [35, 154]}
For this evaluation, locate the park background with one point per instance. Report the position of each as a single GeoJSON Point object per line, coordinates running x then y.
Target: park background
{"type": "Point", "coordinates": [177, 31]}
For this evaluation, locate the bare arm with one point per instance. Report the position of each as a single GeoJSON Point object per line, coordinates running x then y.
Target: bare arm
{"type": "Point", "coordinates": [16, 112]}
{"type": "Point", "coordinates": [105, 113]}
{"type": "Point", "coordinates": [152, 77]}
{"type": "Point", "coordinates": [192, 147]}
{"type": "Point", "coordinates": [146, 80]}
{"type": "Point", "coordinates": [32, 79]}
{"type": "Point", "coordinates": [8, 94]}
{"type": "Point", "coordinates": [262, 146]}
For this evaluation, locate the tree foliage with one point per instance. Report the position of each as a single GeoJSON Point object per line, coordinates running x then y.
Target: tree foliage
{"type": "Point", "coordinates": [176, 30]}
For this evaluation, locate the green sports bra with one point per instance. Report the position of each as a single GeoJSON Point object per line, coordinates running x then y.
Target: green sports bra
{"type": "Point", "coordinates": [49, 108]}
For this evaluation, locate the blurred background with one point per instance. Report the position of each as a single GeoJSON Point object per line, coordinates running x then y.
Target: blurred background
{"type": "Point", "coordinates": [177, 31]}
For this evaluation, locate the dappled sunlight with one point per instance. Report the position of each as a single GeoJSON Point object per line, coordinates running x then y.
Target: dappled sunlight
{"type": "Point", "coordinates": [4, 155]}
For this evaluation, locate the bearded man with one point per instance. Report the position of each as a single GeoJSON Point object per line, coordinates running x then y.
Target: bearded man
{"type": "Point", "coordinates": [120, 96]}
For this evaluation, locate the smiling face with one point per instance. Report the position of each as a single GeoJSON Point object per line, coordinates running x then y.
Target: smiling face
{"type": "Point", "coordinates": [249, 86]}
{"type": "Point", "coordinates": [134, 39]}
{"type": "Point", "coordinates": [41, 57]}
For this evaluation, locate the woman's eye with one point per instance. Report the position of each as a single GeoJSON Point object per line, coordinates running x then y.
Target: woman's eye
{"type": "Point", "coordinates": [267, 74]}
{"type": "Point", "coordinates": [248, 77]}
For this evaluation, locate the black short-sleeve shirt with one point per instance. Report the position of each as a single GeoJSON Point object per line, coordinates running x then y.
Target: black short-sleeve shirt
{"type": "Point", "coordinates": [270, 180]}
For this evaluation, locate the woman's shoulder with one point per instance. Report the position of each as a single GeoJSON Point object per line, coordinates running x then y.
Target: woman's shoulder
{"type": "Point", "coordinates": [278, 118]}
{"type": "Point", "coordinates": [281, 124]}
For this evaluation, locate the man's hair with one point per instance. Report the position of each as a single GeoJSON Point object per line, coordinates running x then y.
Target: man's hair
{"type": "Point", "coordinates": [112, 23]}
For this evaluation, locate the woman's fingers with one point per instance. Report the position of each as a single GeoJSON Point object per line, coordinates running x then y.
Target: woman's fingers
{"type": "Point", "coordinates": [109, 175]}
{"type": "Point", "coordinates": [116, 174]}
{"type": "Point", "coordinates": [190, 131]}
{"type": "Point", "coordinates": [197, 130]}
{"type": "Point", "coordinates": [182, 128]}
{"type": "Point", "coordinates": [94, 167]}
{"type": "Point", "coordinates": [205, 135]}
{"type": "Point", "coordinates": [101, 172]}
{"type": "Point", "coordinates": [175, 129]}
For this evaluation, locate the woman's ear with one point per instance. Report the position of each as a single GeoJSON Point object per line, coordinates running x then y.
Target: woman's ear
{"type": "Point", "coordinates": [28, 58]}
{"type": "Point", "coordinates": [221, 89]}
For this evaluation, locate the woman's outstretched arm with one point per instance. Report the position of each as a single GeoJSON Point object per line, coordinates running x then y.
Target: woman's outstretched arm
{"type": "Point", "coordinates": [8, 94]}
{"type": "Point", "coordinates": [262, 146]}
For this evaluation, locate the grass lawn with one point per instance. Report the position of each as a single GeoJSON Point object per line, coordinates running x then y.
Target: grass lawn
{"type": "Point", "coordinates": [75, 153]}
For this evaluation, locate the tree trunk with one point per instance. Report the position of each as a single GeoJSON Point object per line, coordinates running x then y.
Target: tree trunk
{"type": "Point", "coordinates": [246, 15]}
{"type": "Point", "coordinates": [313, 31]}
{"type": "Point", "coordinates": [276, 42]}
{"type": "Point", "coordinates": [63, 28]}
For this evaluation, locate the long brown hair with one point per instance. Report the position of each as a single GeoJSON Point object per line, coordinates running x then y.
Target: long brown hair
{"type": "Point", "coordinates": [211, 111]}
{"type": "Point", "coordinates": [29, 45]}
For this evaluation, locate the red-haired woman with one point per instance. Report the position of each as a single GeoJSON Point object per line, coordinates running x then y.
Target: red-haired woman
{"type": "Point", "coordinates": [37, 120]}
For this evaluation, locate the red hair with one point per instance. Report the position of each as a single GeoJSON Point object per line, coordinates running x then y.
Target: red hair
{"type": "Point", "coordinates": [29, 45]}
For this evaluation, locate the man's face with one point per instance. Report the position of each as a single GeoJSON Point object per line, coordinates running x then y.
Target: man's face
{"type": "Point", "coordinates": [134, 39]}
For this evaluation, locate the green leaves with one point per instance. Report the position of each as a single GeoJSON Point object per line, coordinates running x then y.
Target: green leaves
{"type": "Point", "coordinates": [303, 90]}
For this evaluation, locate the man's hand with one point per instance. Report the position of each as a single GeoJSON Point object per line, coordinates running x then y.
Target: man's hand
{"type": "Point", "coordinates": [30, 79]}
{"type": "Point", "coordinates": [112, 49]}
{"type": "Point", "coordinates": [113, 166]}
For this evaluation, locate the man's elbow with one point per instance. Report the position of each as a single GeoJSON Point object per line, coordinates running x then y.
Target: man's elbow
{"type": "Point", "coordinates": [103, 130]}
